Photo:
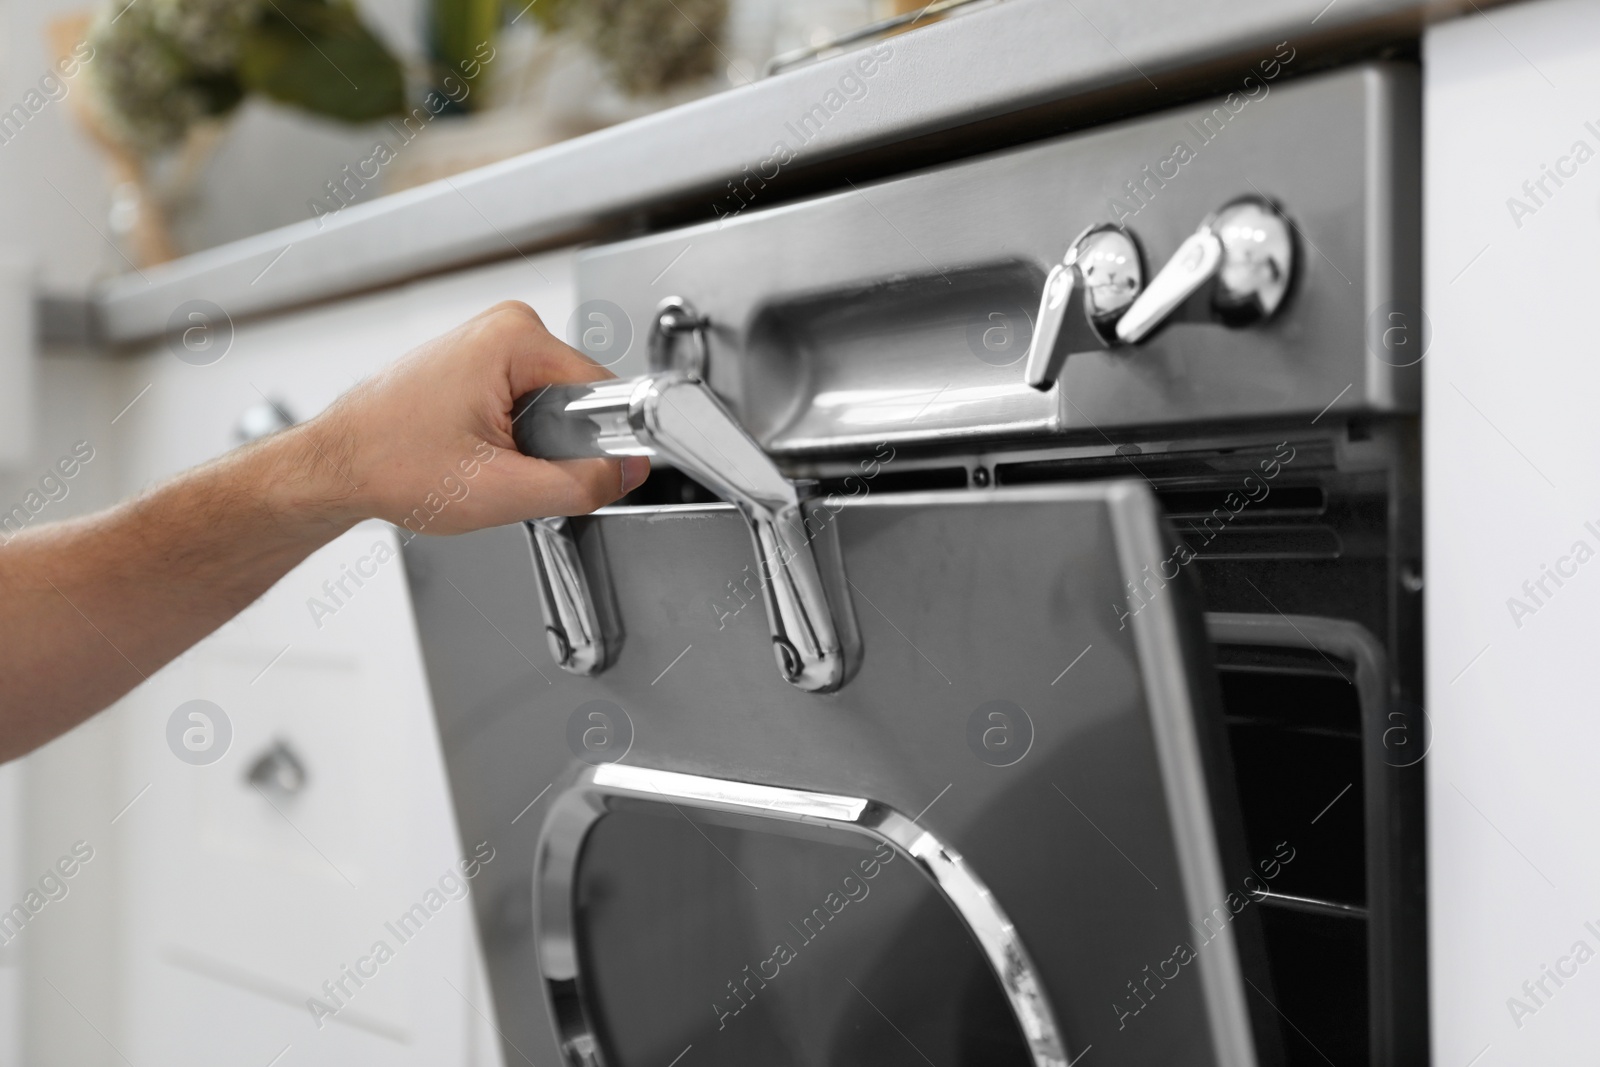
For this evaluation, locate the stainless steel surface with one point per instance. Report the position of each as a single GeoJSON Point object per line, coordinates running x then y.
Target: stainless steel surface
{"type": "Point", "coordinates": [1060, 65]}
{"type": "Point", "coordinates": [572, 604]}
{"type": "Point", "coordinates": [1247, 248]}
{"type": "Point", "coordinates": [681, 420]}
{"type": "Point", "coordinates": [1104, 262]}
{"type": "Point", "coordinates": [875, 323]}
{"type": "Point", "coordinates": [596, 788]}
{"type": "Point", "coordinates": [966, 598]}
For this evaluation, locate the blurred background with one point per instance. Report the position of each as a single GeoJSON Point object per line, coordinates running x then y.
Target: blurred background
{"type": "Point", "coordinates": [203, 121]}
{"type": "Point", "coordinates": [218, 898]}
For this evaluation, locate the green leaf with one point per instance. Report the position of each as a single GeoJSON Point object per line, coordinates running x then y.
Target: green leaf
{"type": "Point", "coordinates": [458, 27]}
{"type": "Point", "coordinates": [219, 93]}
{"type": "Point", "coordinates": [461, 34]}
{"type": "Point", "coordinates": [318, 56]}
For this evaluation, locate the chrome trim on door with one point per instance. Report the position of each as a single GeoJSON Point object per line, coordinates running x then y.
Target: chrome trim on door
{"type": "Point", "coordinates": [577, 809]}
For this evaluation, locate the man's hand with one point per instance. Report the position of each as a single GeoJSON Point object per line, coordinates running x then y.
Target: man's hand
{"type": "Point", "coordinates": [436, 429]}
{"type": "Point", "coordinates": [95, 605]}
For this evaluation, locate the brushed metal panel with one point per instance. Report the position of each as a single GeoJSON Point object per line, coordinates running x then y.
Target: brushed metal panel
{"type": "Point", "coordinates": [851, 318]}
{"type": "Point", "coordinates": [1098, 842]}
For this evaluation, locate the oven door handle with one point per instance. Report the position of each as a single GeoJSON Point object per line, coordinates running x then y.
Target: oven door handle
{"type": "Point", "coordinates": [678, 418]}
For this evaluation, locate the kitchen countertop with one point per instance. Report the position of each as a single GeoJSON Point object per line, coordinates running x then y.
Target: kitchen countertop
{"type": "Point", "coordinates": [1054, 63]}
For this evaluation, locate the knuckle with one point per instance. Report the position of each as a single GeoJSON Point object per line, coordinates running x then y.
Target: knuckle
{"type": "Point", "coordinates": [513, 323]}
{"type": "Point", "coordinates": [517, 309]}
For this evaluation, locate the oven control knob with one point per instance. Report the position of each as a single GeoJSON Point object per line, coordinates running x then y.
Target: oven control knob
{"type": "Point", "coordinates": [1105, 262]}
{"type": "Point", "coordinates": [1247, 248]}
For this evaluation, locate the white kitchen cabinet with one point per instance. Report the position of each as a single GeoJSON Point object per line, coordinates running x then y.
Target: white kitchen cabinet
{"type": "Point", "coordinates": [232, 904]}
{"type": "Point", "coordinates": [1512, 488]}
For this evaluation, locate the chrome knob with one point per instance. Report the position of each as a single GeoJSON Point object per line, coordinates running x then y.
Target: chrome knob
{"type": "Point", "coordinates": [1105, 262]}
{"type": "Point", "coordinates": [1247, 248]}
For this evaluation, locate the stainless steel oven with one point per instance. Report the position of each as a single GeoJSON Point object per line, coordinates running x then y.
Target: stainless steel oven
{"type": "Point", "coordinates": [1014, 657]}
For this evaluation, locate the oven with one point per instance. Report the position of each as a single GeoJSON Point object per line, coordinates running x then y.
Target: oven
{"type": "Point", "coordinates": [1014, 657]}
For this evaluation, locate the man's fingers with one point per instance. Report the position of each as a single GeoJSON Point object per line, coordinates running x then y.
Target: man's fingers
{"type": "Point", "coordinates": [534, 357]}
{"type": "Point", "coordinates": [635, 469]}
{"type": "Point", "coordinates": [579, 486]}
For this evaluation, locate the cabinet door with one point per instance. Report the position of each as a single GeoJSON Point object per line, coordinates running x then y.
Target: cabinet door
{"type": "Point", "coordinates": [271, 866]}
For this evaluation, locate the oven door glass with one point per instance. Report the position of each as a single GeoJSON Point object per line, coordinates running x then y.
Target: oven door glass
{"type": "Point", "coordinates": [1009, 838]}
{"type": "Point", "coordinates": [782, 949]}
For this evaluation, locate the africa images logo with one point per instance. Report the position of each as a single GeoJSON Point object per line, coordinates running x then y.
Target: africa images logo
{"type": "Point", "coordinates": [199, 732]}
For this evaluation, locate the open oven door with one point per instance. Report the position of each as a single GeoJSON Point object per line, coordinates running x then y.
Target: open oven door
{"type": "Point", "coordinates": [1008, 838]}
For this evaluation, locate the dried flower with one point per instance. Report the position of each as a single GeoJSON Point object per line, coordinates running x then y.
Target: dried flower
{"type": "Point", "coordinates": [208, 32]}
{"type": "Point", "coordinates": [162, 66]}
{"type": "Point", "coordinates": [650, 45]}
{"type": "Point", "coordinates": [144, 80]}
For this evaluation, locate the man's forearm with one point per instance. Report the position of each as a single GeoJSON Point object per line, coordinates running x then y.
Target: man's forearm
{"type": "Point", "coordinates": [95, 605]}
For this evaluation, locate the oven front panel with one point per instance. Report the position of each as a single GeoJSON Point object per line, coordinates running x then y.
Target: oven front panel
{"type": "Point", "coordinates": [1028, 697]}
{"type": "Point", "coordinates": [902, 309]}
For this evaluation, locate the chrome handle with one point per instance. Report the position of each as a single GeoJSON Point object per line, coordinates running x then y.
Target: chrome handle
{"type": "Point", "coordinates": [681, 420]}
{"type": "Point", "coordinates": [572, 604]}
{"type": "Point", "coordinates": [279, 769]}
{"type": "Point", "coordinates": [1247, 247]}
{"type": "Point", "coordinates": [1104, 260]}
